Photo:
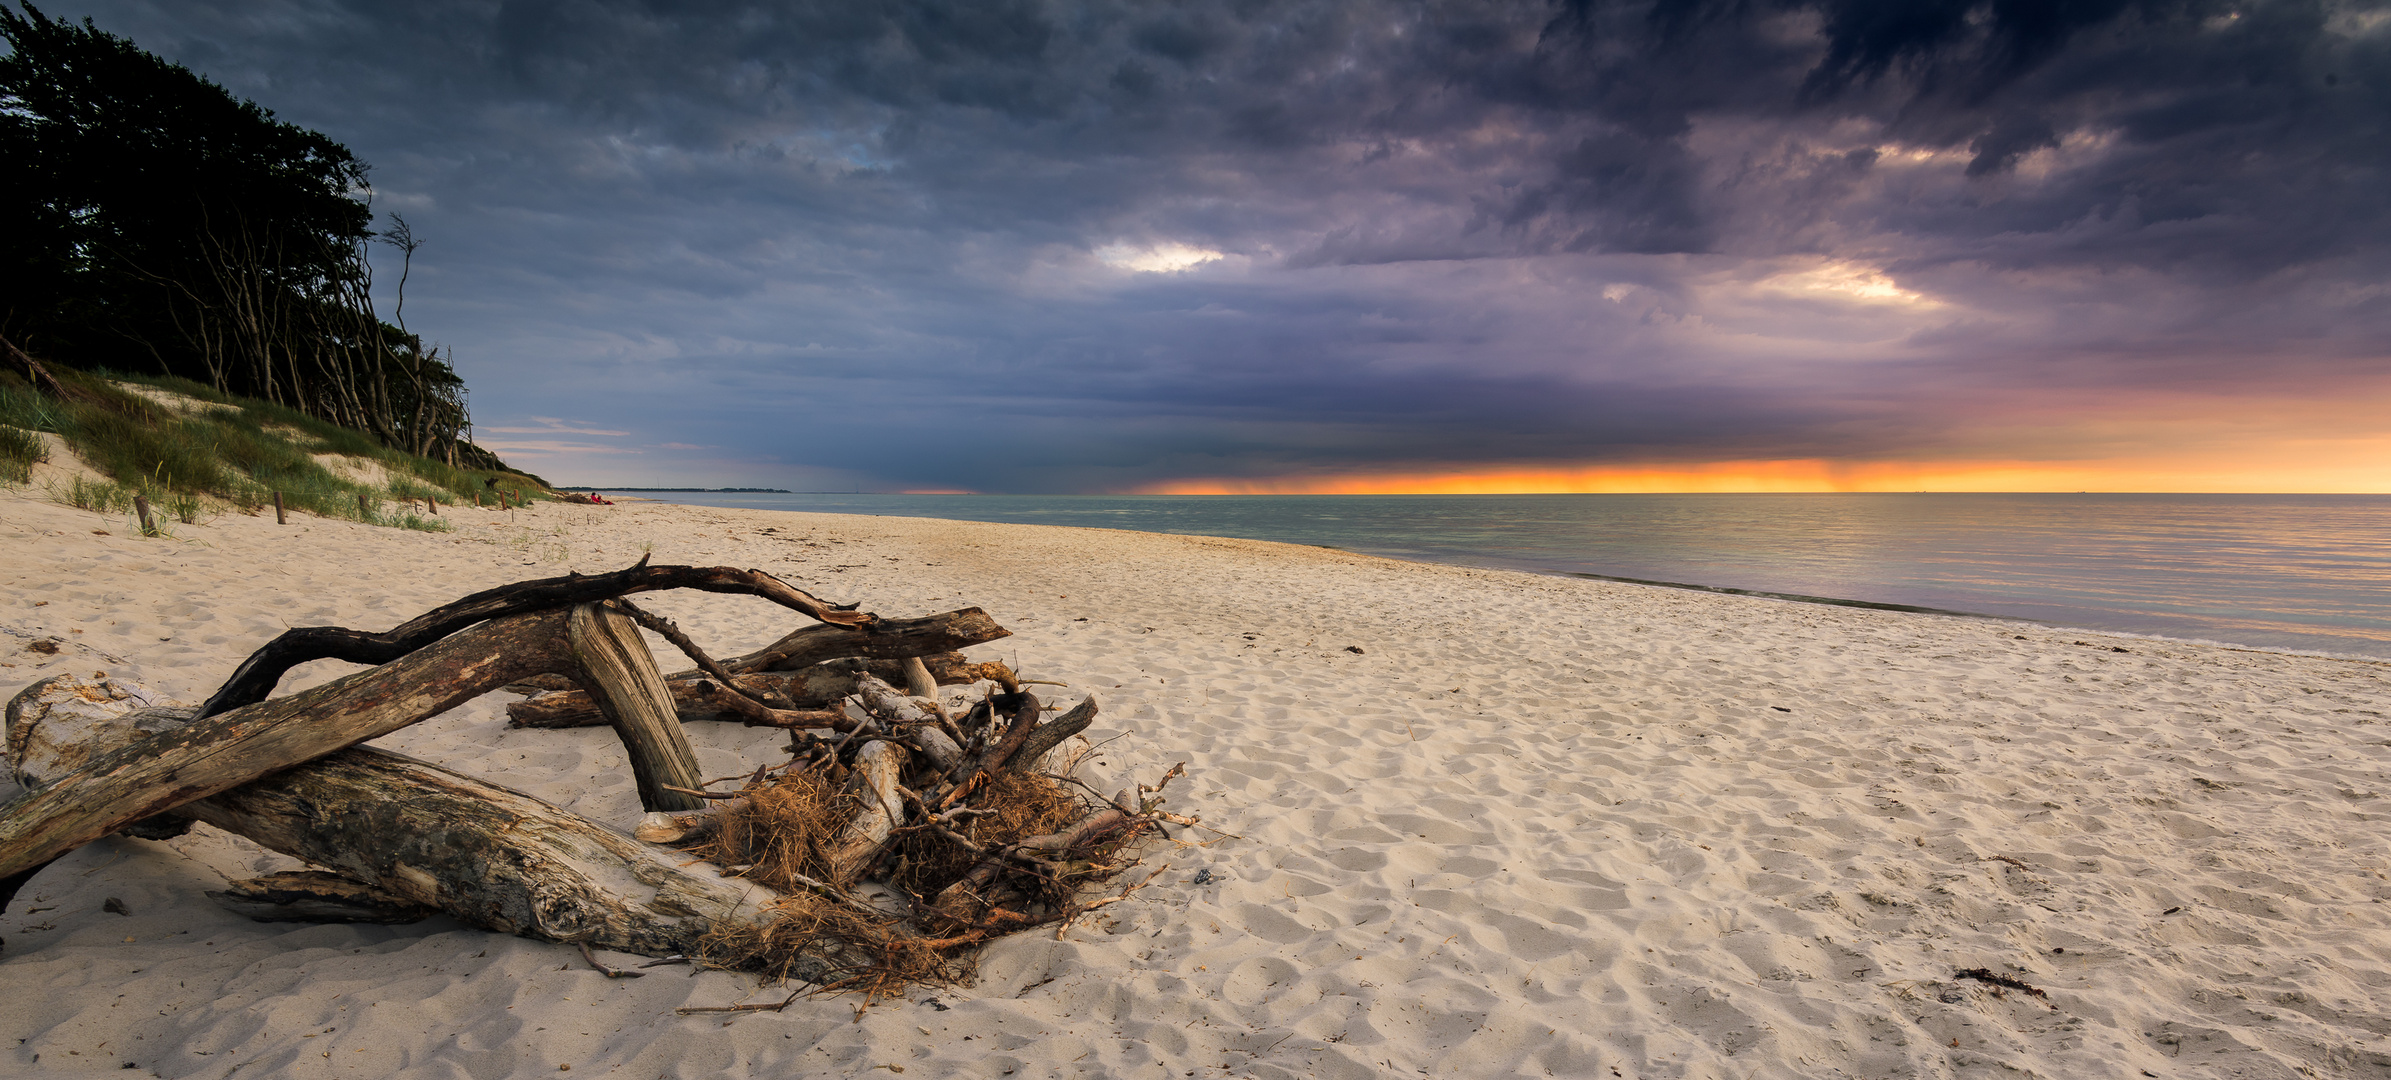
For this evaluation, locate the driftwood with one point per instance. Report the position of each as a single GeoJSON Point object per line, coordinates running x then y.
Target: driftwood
{"type": "Point", "coordinates": [695, 694]}
{"type": "Point", "coordinates": [38, 375]}
{"type": "Point", "coordinates": [315, 896]}
{"type": "Point", "coordinates": [693, 699]}
{"type": "Point", "coordinates": [863, 861]}
{"type": "Point", "coordinates": [256, 676]}
{"type": "Point", "coordinates": [879, 767]}
{"type": "Point", "coordinates": [485, 854]}
{"type": "Point", "coordinates": [1047, 736]}
{"type": "Point", "coordinates": [623, 680]}
{"type": "Point", "coordinates": [403, 838]}
{"type": "Point", "coordinates": [159, 772]}
{"type": "Point", "coordinates": [216, 752]}
{"type": "Point", "coordinates": [880, 639]}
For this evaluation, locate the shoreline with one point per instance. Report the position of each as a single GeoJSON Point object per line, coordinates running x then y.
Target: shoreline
{"type": "Point", "coordinates": [1536, 824]}
{"type": "Point", "coordinates": [2251, 603]}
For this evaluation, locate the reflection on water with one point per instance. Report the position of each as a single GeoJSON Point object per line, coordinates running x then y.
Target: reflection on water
{"type": "Point", "coordinates": [2279, 571]}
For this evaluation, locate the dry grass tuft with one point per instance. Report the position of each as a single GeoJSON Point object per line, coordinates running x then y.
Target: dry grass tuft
{"type": "Point", "coordinates": [786, 826]}
{"type": "Point", "coordinates": [836, 940]}
{"type": "Point", "coordinates": [1023, 806]}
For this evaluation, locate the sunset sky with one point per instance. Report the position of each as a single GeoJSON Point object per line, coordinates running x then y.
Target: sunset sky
{"type": "Point", "coordinates": [1703, 245]}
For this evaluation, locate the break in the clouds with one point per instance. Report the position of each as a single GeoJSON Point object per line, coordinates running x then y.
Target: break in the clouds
{"type": "Point", "coordinates": [1019, 246]}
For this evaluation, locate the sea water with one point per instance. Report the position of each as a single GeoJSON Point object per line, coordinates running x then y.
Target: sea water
{"type": "Point", "coordinates": [2306, 572]}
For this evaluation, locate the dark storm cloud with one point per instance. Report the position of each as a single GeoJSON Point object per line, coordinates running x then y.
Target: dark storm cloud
{"type": "Point", "coordinates": [1450, 233]}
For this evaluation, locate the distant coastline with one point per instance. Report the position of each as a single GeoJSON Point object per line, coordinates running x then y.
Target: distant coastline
{"type": "Point", "coordinates": [724, 491]}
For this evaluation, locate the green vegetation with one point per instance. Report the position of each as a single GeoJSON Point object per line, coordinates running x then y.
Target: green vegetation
{"type": "Point", "coordinates": [150, 217]}
{"type": "Point", "coordinates": [234, 452]}
{"type": "Point", "coordinates": [20, 451]}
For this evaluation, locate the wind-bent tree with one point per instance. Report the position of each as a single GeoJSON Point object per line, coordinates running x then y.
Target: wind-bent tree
{"type": "Point", "coordinates": [151, 220]}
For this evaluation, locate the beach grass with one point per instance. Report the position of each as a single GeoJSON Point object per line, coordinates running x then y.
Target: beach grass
{"type": "Point", "coordinates": [20, 451]}
{"type": "Point", "coordinates": [199, 451]}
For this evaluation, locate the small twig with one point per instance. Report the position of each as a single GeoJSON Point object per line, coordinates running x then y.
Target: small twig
{"type": "Point", "coordinates": [669, 960]}
{"type": "Point", "coordinates": [612, 973]}
{"type": "Point", "coordinates": [758, 1007]}
{"type": "Point", "coordinates": [1176, 772]}
{"type": "Point", "coordinates": [1075, 913]}
{"type": "Point", "coordinates": [681, 641]}
{"type": "Point", "coordinates": [701, 794]}
{"type": "Point", "coordinates": [839, 745]}
{"type": "Point", "coordinates": [832, 892]}
{"type": "Point", "coordinates": [1080, 784]}
{"type": "Point", "coordinates": [1988, 975]}
{"type": "Point", "coordinates": [937, 822]}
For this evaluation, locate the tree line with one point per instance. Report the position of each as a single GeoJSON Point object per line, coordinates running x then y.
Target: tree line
{"type": "Point", "coordinates": [152, 221]}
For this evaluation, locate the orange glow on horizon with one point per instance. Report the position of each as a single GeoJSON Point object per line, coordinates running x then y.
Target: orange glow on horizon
{"type": "Point", "coordinates": [2365, 471]}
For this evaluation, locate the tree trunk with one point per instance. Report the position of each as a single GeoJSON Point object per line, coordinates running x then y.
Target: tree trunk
{"type": "Point", "coordinates": [620, 673]}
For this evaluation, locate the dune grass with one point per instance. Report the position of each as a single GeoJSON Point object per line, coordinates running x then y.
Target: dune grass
{"type": "Point", "coordinates": [20, 451]}
{"type": "Point", "coordinates": [231, 452]}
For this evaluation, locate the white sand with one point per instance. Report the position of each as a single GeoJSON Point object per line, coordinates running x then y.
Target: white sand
{"type": "Point", "coordinates": [1537, 827]}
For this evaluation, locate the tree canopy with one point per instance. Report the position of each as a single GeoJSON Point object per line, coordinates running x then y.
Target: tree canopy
{"type": "Point", "coordinates": [154, 221]}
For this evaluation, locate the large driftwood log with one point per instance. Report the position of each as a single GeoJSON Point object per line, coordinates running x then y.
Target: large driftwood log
{"type": "Point", "coordinates": [880, 639]}
{"type": "Point", "coordinates": [820, 686]}
{"type": "Point", "coordinates": [408, 830]}
{"type": "Point", "coordinates": [484, 854]}
{"type": "Point", "coordinates": [315, 896]}
{"type": "Point", "coordinates": [622, 679]}
{"type": "Point", "coordinates": [162, 771]}
{"type": "Point", "coordinates": [137, 780]}
{"type": "Point", "coordinates": [694, 699]}
{"type": "Point", "coordinates": [257, 675]}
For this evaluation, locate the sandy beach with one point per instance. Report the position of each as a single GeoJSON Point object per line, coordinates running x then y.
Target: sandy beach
{"type": "Point", "coordinates": [1488, 824]}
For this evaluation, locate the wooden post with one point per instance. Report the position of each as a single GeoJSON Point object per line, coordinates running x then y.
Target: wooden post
{"type": "Point", "coordinates": [477, 500]}
{"type": "Point", "coordinates": [618, 670]}
{"type": "Point", "coordinates": [280, 518]}
{"type": "Point", "coordinates": [364, 512]}
{"type": "Point", "coordinates": [141, 510]}
{"type": "Point", "coordinates": [432, 504]}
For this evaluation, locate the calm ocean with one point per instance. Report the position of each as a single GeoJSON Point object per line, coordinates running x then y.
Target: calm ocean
{"type": "Point", "coordinates": [2310, 572]}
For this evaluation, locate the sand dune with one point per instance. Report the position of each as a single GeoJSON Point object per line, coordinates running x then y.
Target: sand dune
{"type": "Point", "coordinates": [1491, 824]}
